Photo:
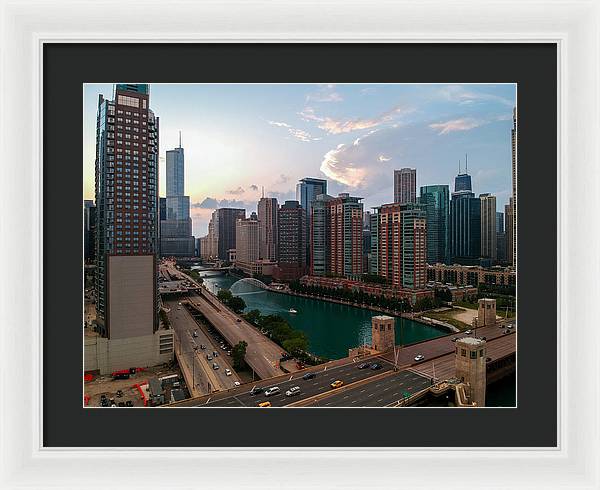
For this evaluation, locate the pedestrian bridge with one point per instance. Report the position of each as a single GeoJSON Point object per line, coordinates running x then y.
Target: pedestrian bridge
{"type": "Point", "coordinates": [247, 285]}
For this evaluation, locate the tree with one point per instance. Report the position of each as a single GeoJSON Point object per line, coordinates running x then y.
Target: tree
{"type": "Point", "coordinates": [253, 316]}
{"type": "Point", "coordinates": [296, 345]}
{"type": "Point", "coordinates": [237, 304]}
{"type": "Point", "coordinates": [224, 296]}
{"type": "Point", "coordinates": [238, 353]}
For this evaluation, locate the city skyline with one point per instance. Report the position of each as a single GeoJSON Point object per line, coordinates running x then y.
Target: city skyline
{"type": "Point", "coordinates": [353, 135]}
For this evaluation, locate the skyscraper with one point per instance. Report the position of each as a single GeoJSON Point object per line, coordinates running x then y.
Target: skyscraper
{"type": "Point", "coordinates": [225, 224]}
{"type": "Point", "coordinates": [307, 191]}
{"type": "Point", "coordinates": [465, 228]}
{"type": "Point", "coordinates": [488, 227]}
{"type": "Point", "coordinates": [267, 223]}
{"type": "Point", "coordinates": [401, 244]}
{"type": "Point", "coordinates": [247, 243]}
{"type": "Point", "coordinates": [336, 235]}
{"type": "Point", "coordinates": [509, 226]}
{"type": "Point", "coordinates": [405, 185]}
{"type": "Point", "coordinates": [176, 230]}
{"type": "Point", "coordinates": [513, 238]}
{"type": "Point", "coordinates": [436, 202]}
{"type": "Point", "coordinates": [89, 231]}
{"type": "Point", "coordinates": [500, 238]}
{"type": "Point", "coordinates": [462, 182]}
{"type": "Point", "coordinates": [291, 241]}
{"type": "Point", "coordinates": [127, 203]}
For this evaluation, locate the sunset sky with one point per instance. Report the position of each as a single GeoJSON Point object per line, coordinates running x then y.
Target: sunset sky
{"type": "Point", "coordinates": [238, 138]}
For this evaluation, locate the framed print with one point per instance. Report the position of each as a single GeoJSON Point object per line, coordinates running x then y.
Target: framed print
{"type": "Point", "coordinates": [298, 248]}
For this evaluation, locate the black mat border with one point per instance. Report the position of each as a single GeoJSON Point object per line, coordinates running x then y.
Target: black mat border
{"type": "Point", "coordinates": [532, 66]}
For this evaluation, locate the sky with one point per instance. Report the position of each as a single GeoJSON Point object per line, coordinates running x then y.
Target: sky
{"type": "Point", "coordinates": [239, 138]}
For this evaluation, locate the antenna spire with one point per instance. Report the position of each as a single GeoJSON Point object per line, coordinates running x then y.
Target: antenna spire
{"type": "Point", "coordinates": [179, 138]}
{"type": "Point", "coordinates": [459, 166]}
{"type": "Point", "coordinates": [263, 191]}
{"type": "Point", "coordinates": [466, 163]}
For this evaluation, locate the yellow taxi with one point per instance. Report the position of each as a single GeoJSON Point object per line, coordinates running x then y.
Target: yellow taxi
{"type": "Point", "coordinates": [264, 404]}
{"type": "Point", "coordinates": [337, 384]}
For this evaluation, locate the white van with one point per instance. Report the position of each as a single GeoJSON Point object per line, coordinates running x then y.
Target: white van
{"type": "Point", "coordinates": [272, 391]}
{"type": "Point", "coordinates": [295, 390]}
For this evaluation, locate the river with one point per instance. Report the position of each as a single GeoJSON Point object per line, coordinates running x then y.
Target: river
{"type": "Point", "coordinates": [331, 328]}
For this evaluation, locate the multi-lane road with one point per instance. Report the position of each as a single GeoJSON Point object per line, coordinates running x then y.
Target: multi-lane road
{"type": "Point", "coordinates": [206, 379]}
{"type": "Point", "coordinates": [262, 354]}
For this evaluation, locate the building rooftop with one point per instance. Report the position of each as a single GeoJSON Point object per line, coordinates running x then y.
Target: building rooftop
{"type": "Point", "coordinates": [383, 317]}
{"type": "Point", "coordinates": [471, 341]}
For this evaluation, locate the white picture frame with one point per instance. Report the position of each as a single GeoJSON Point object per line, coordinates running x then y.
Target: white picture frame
{"type": "Point", "coordinates": [26, 26]}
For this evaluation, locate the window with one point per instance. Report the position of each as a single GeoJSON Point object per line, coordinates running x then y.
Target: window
{"type": "Point", "coordinates": [473, 354]}
{"type": "Point", "coordinates": [128, 101]}
{"type": "Point", "coordinates": [463, 352]}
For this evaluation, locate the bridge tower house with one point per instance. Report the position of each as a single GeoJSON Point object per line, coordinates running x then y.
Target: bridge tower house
{"type": "Point", "coordinates": [382, 333]}
{"type": "Point", "coordinates": [486, 314]}
{"type": "Point", "coordinates": [470, 367]}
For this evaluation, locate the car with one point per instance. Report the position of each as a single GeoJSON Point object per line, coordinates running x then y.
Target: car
{"type": "Point", "coordinates": [119, 393]}
{"type": "Point", "coordinates": [228, 372]}
{"type": "Point", "coordinates": [223, 347]}
{"type": "Point", "coordinates": [364, 365]}
{"type": "Point", "coordinates": [215, 353]}
{"type": "Point", "coordinates": [337, 384]}
{"type": "Point", "coordinates": [506, 332]}
{"type": "Point", "coordinates": [239, 321]}
{"type": "Point", "coordinates": [179, 303]}
{"type": "Point", "coordinates": [179, 307]}
{"type": "Point", "coordinates": [215, 366]}
{"type": "Point", "coordinates": [509, 327]}
{"type": "Point", "coordinates": [195, 334]}
{"type": "Point", "coordinates": [129, 403]}
{"type": "Point", "coordinates": [483, 338]}
{"type": "Point", "coordinates": [256, 390]}
{"type": "Point", "coordinates": [274, 390]}
{"type": "Point", "coordinates": [454, 339]}
{"type": "Point", "coordinates": [469, 332]}
{"type": "Point", "coordinates": [375, 366]}
{"type": "Point", "coordinates": [308, 376]}
{"type": "Point", "coordinates": [208, 357]}
{"type": "Point", "coordinates": [236, 383]}
{"type": "Point", "coordinates": [264, 404]}
{"type": "Point", "coordinates": [293, 391]}
{"type": "Point", "coordinates": [419, 358]}
{"type": "Point", "coordinates": [202, 346]}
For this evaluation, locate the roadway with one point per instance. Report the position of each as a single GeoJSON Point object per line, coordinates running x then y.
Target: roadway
{"type": "Point", "coordinates": [348, 373]}
{"type": "Point", "coordinates": [201, 368]}
{"type": "Point", "coordinates": [262, 354]}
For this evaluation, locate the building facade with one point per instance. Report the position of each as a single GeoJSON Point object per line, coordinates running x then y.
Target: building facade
{"type": "Point", "coordinates": [465, 228]}
{"type": "Point", "coordinates": [307, 190]}
{"type": "Point", "coordinates": [489, 230]}
{"type": "Point", "coordinates": [401, 248]}
{"type": "Point", "coordinates": [436, 201]}
{"type": "Point", "coordinates": [291, 263]}
{"type": "Point", "coordinates": [513, 238]}
{"type": "Point", "coordinates": [89, 231]}
{"type": "Point", "coordinates": [247, 235]}
{"type": "Point", "coordinates": [267, 219]}
{"type": "Point", "coordinates": [336, 235]}
{"type": "Point", "coordinates": [464, 275]}
{"type": "Point", "coordinates": [405, 186]}
{"type": "Point", "coordinates": [127, 322]}
{"type": "Point", "coordinates": [176, 238]}
{"type": "Point", "coordinates": [225, 226]}
{"type": "Point", "coordinates": [509, 223]}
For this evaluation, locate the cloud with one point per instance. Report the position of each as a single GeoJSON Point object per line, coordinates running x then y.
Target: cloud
{"type": "Point", "coordinates": [212, 203]}
{"type": "Point", "coordinates": [237, 191]}
{"type": "Point", "coordinates": [339, 126]}
{"type": "Point", "coordinates": [461, 95]}
{"type": "Point", "coordinates": [463, 124]}
{"type": "Point", "coordinates": [283, 179]}
{"type": "Point", "coordinates": [383, 158]}
{"type": "Point", "coordinates": [289, 195]}
{"type": "Point", "coordinates": [326, 93]}
{"type": "Point", "coordinates": [299, 134]}
{"type": "Point", "coordinates": [254, 187]}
